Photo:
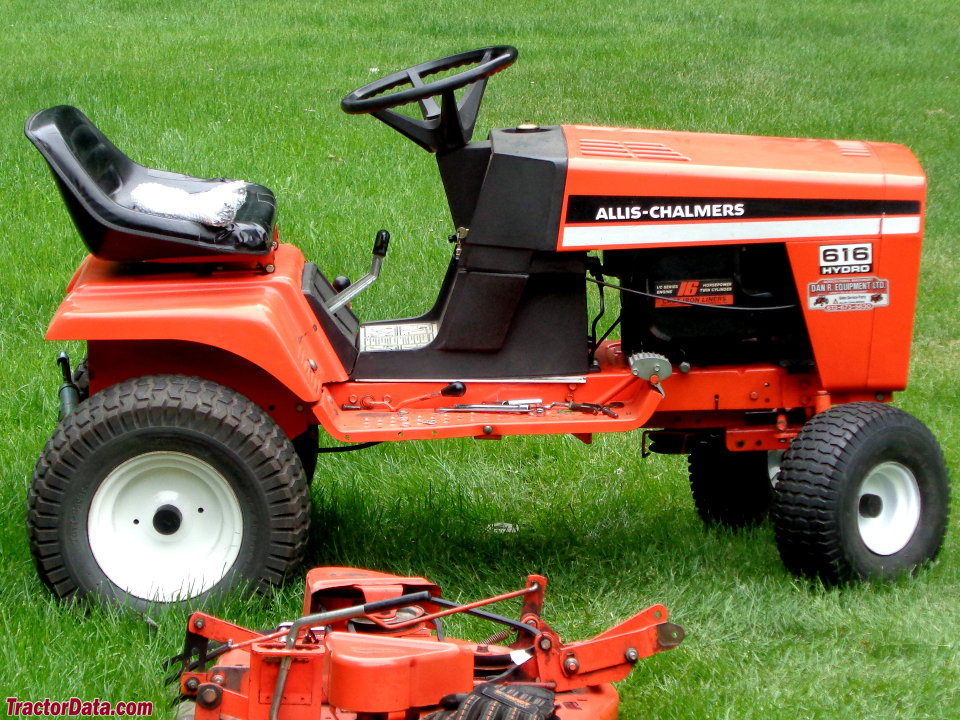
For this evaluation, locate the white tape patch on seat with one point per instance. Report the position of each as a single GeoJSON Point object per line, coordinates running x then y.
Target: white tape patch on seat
{"type": "Point", "coordinates": [217, 206]}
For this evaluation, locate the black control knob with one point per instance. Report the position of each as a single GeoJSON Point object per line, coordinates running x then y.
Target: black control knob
{"type": "Point", "coordinates": [381, 242]}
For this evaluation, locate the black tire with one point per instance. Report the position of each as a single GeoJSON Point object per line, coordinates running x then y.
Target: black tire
{"type": "Point", "coordinates": [305, 445]}
{"type": "Point", "coordinates": [81, 378]}
{"type": "Point", "coordinates": [163, 480]}
{"type": "Point", "coordinates": [729, 488]}
{"type": "Point", "coordinates": [863, 494]}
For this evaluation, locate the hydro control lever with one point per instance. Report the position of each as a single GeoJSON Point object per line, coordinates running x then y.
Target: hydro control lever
{"type": "Point", "coordinates": [380, 244]}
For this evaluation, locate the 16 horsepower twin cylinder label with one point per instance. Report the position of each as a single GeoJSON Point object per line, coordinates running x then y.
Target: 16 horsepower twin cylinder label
{"type": "Point", "coordinates": [684, 293]}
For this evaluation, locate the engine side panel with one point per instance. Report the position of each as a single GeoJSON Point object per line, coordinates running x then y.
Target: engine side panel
{"type": "Point", "coordinates": [849, 214]}
{"type": "Point", "coordinates": [640, 188]}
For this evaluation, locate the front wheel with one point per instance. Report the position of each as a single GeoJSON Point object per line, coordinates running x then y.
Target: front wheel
{"type": "Point", "coordinates": [863, 494]}
{"type": "Point", "coordinates": [165, 489]}
{"type": "Point", "coordinates": [731, 489]}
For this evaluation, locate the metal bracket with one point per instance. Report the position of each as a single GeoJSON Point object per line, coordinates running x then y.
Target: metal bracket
{"type": "Point", "coordinates": [651, 367]}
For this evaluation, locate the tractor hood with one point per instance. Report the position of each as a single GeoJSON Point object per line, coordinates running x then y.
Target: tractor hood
{"type": "Point", "coordinates": [637, 188]}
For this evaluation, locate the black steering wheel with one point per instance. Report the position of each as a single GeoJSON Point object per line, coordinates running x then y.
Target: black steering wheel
{"type": "Point", "coordinates": [445, 126]}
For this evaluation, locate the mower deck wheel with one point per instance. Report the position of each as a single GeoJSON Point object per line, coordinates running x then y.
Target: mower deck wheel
{"type": "Point", "coordinates": [864, 493]}
{"type": "Point", "coordinates": [165, 489]}
{"type": "Point", "coordinates": [730, 488]}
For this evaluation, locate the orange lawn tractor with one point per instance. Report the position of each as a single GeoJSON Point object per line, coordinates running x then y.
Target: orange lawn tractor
{"type": "Point", "coordinates": [372, 646]}
{"type": "Point", "coordinates": [766, 286]}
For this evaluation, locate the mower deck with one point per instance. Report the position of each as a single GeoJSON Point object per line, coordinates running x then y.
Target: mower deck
{"type": "Point", "coordinates": [372, 646]}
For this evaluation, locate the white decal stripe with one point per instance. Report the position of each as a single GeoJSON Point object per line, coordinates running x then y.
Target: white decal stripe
{"type": "Point", "coordinates": [579, 236]}
{"type": "Point", "coordinates": [900, 225]}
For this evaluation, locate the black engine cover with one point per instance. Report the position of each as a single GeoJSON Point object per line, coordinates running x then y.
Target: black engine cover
{"type": "Point", "coordinates": [716, 305]}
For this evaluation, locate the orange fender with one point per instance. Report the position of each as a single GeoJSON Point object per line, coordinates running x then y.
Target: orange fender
{"type": "Point", "coordinates": [260, 317]}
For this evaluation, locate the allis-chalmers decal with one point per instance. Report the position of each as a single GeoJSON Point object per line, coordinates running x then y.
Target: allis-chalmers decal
{"type": "Point", "coordinates": [663, 212]}
{"type": "Point", "coordinates": [854, 294]}
{"type": "Point", "coordinates": [595, 209]}
{"type": "Point", "coordinates": [606, 221]}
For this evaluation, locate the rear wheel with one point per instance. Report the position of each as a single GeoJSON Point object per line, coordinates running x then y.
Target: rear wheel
{"type": "Point", "coordinates": [165, 489]}
{"type": "Point", "coordinates": [81, 378]}
{"type": "Point", "coordinates": [731, 488]}
{"type": "Point", "coordinates": [864, 493]}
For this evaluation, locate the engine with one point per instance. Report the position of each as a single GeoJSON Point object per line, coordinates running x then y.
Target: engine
{"type": "Point", "coordinates": [714, 305]}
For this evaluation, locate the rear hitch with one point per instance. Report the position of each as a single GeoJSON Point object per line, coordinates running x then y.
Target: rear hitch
{"type": "Point", "coordinates": [69, 392]}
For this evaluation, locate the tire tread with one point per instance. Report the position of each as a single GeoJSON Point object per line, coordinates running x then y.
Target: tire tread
{"type": "Point", "coordinates": [815, 469]}
{"type": "Point", "coordinates": [156, 402]}
{"type": "Point", "coordinates": [729, 488]}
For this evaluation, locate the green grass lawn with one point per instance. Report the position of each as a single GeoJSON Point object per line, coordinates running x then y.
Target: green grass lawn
{"type": "Point", "coordinates": [251, 90]}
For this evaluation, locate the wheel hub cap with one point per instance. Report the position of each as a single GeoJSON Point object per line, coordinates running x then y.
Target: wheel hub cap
{"type": "Point", "coordinates": [165, 526]}
{"type": "Point", "coordinates": [167, 520]}
{"type": "Point", "coordinates": [888, 508]}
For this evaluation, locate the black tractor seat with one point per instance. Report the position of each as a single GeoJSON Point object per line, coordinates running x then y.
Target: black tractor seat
{"type": "Point", "coordinates": [96, 181]}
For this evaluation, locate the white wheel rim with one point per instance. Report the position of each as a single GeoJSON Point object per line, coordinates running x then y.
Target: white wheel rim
{"type": "Point", "coordinates": [888, 508]}
{"type": "Point", "coordinates": [774, 460]}
{"type": "Point", "coordinates": [165, 526]}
